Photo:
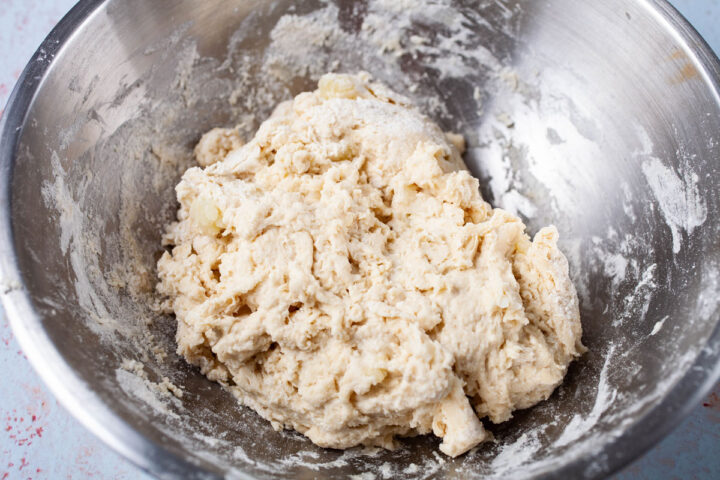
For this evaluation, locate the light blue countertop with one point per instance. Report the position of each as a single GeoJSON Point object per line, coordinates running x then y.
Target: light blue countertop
{"type": "Point", "coordinates": [40, 440]}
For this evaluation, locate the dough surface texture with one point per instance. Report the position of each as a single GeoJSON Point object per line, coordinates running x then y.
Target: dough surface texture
{"type": "Point", "coordinates": [342, 276]}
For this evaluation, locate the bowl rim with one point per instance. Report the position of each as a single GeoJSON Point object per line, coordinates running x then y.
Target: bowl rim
{"type": "Point", "coordinates": [155, 459]}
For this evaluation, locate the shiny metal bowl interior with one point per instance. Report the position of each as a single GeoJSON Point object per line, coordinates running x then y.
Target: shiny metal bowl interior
{"type": "Point", "coordinates": [600, 117]}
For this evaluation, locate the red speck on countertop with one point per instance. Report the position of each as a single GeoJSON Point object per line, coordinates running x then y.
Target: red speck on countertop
{"type": "Point", "coordinates": [21, 431]}
{"type": "Point", "coordinates": [5, 475]}
{"type": "Point", "coordinates": [23, 463]}
{"type": "Point", "coordinates": [713, 401]}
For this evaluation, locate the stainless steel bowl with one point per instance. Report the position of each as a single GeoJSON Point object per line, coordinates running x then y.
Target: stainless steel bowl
{"type": "Point", "coordinates": [600, 117]}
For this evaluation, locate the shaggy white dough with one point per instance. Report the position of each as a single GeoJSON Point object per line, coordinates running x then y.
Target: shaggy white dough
{"type": "Point", "coordinates": [341, 274]}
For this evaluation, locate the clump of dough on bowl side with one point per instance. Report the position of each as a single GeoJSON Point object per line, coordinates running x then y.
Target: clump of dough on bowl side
{"type": "Point", "coordinates": [342, 275]}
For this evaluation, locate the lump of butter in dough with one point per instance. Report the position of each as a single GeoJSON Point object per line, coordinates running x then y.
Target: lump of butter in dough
{"type": "Point", "coordinates": [341, 274]}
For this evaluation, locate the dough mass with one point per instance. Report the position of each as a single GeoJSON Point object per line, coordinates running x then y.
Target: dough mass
{"type": "Point", "coordinates": [341, 274]}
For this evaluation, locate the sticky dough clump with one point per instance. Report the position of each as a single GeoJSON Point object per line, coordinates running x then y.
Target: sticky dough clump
{"type": "Point", "coordinates": [342, 275]}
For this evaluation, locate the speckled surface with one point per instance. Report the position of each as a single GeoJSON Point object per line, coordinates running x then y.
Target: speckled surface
{"type": "Point", "coordinates": [40, 440]}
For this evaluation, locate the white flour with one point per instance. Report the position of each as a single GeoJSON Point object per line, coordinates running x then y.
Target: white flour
{"type": "Point", "coordinates": [581, 424]}
{"type": "Point", "coordinates": [677, 193]}
{"type": "Point", "coordinates": [679, 199]}
{"type": "Point", "coordinates": [141, 388]}
{"type": "Point", "coordinates": [658, 325]}
{"type": "Point", "coordinates": [516, 454]}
